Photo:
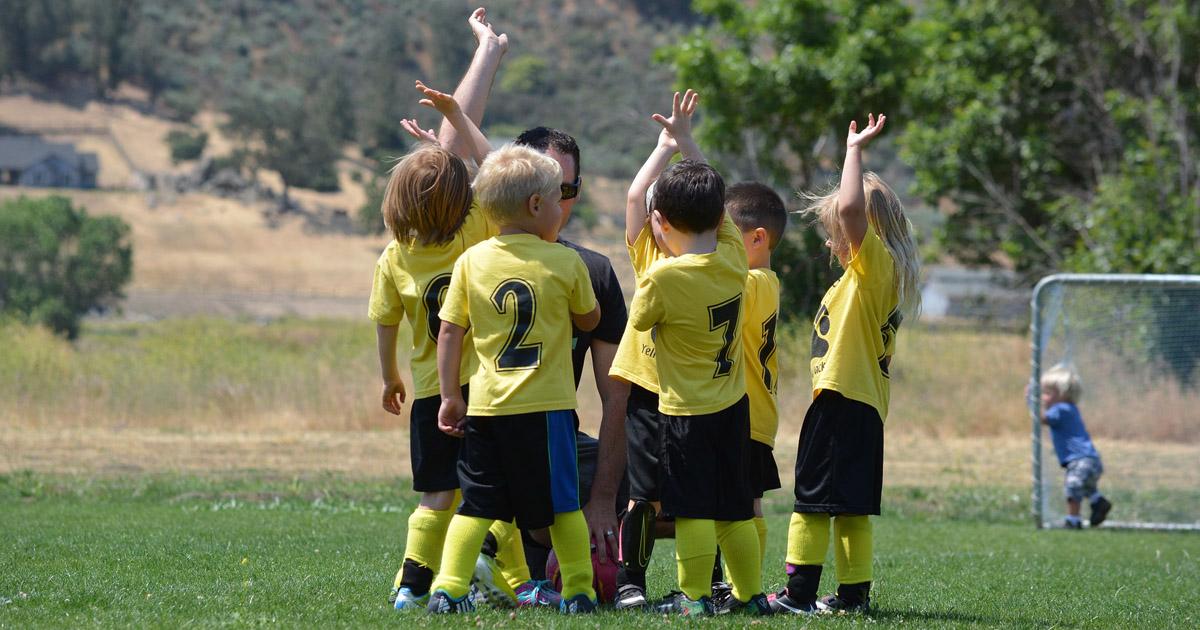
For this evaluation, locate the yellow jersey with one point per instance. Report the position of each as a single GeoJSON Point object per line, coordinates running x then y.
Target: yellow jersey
{"type": "Point", "coordinates": [411, 280]}
{"type": "Point", "coordinates": [515, 293]}
{"type": "Point", "coordinates": [693, 303]}
{"type": "Point", "coordinates": [634, 360]}
{"type": "Point", "coordinates": [760, 314]}
{"type": "Point", "coordinates": [854, 331]}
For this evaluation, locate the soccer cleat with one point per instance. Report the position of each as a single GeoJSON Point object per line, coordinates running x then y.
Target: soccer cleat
{"type": "Point", "coordinates": [683, 605]}
{"type": "Point", "coordinates": [1100, 508]}
{"type": "Point", "coordinates": [782, 603]}
{"type": "Point", "coordinates": [537, 593]}
{"type": "Point", "coordinates": [722, 596]}
{"type": "Point", "coordinates": [835, 604]}
{"type": "Point", "coordinates": [579, 605]}
{"type": "Point", "coordinates": [758, 605]}
{"type": "Point", "coordinates": [491, 584]}
{"type": "Point", "coordinates": [1072, 524]}
{"type": "Point", "coordinates": [630, 596]}
{"type": "Point", "coordinates": [405, 599]}
{"type": "Point", "coordinates": [441, 603]}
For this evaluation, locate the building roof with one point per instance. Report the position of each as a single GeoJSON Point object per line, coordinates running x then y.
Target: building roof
{"type": "Point", "coordinates": [21, 152]}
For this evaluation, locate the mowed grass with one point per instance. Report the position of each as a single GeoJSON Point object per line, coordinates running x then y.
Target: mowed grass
{"type": "Point", "coordinates": [172, 551]}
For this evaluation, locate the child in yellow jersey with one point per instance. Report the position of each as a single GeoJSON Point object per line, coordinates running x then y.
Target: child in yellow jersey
{"type": "Point", "coordinates": [427, 207]}
{"type": "Point", "coordinates": [692, 301]}
{"type": "Point", "coordinates": [760, 215]}
{"type": "Point", "coordinates": [839, 461]}
{"type": "Point", "coordinates": [515, 295]}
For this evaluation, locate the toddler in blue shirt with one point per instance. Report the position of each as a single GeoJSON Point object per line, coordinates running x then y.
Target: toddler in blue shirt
{"type": "Point", "coordinates": [1061, 390]}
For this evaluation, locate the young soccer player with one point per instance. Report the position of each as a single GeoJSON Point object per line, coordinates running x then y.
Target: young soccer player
{"type": "Point", "coordinates": [427, 208]}
{"type": "Point", "coordinates": [839, 463]}
{"type": "Point", "coordinates": [516, 295]}
{"type": "Point", "coordinates": [1061, 390]}
{"type": "Point", "coordinates": [692, 301]}
{"type": "Point", "coordinates": [760, 215]}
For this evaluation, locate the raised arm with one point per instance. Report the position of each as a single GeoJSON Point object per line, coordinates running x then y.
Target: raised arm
{"type": "Point", "coordinates": [476, 86]}
{"type": "Point", "coordinates": [677, 126]}
{"type": "Point", "coordinates": [852, 200]}
{"type": "Point", "coordinates": [476, 145]}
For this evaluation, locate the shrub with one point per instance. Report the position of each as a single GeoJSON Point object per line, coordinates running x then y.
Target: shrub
{"type": "Point", "coordinates": [186, 146]}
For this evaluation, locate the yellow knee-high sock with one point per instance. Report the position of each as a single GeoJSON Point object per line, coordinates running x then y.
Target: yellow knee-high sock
{"type": "Point", "coordinates": [464, 537]}
{"type": "Point", "coordinates": [852, 548]}
{"type": "Point", "coordinates": [808, 538]}
{"type": "Point", "coordinates": [739, 548]}
{"type": "Point", "coordinates": [510, 554]}
{"type": "Point", "coordinates": [760, 524]}
{"type": "Point", "coordinates": [569, 536]}
{"type": "Point", "coordinates": [695, 552]}
{"type": "Point", "coordinates": [425, 539]}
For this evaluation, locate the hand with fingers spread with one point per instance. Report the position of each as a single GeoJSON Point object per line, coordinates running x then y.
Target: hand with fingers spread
{"type": "Point", "coordinates": [677, 130]}
{"type": "Point", "coordinates": [477, 144]}
{"type": "Point", "coordinates": [855, 138]}
{"type": "Point", "coordinates": [483, 30]}
{"type": "Point", "coordinates": [413, 128]}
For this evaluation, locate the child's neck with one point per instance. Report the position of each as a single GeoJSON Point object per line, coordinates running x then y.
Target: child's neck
{"type": "Point", "coordinates": [694, 242]}
{"type": "Point", "coordinates": [760, 261]}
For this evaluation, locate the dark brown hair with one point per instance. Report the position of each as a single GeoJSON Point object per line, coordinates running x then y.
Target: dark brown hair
{"type": "Point", "coordinates": [427, 197]}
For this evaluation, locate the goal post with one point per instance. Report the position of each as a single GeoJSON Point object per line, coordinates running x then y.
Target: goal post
{"type": "Point", "coordinates": [1134, 340]}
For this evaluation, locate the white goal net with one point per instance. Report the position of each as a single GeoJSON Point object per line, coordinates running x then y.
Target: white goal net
{"type": "Point", "coordinates": [1134, 340]}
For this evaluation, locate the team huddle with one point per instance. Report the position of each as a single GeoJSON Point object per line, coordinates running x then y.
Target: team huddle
{"type": "Point", "coordinates": [501, 312]}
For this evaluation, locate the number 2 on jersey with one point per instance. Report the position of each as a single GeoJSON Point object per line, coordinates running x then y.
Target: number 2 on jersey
{"type": "Point", "coordinates": [516, 354]}
{"type": "Point", "coordinates": [725, 314]}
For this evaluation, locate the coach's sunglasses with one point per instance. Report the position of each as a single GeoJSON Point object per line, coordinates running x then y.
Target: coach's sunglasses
{"type": "Point", "coordinates": [571, 191]}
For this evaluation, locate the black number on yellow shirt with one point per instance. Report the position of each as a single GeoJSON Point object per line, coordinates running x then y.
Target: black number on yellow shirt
{"type": "Point", "coordinates": [517, 355]}
{"type": "Point", "coordinates": [435, 294]}
{"type": "Point", "coordinates": [725, 314]}
{"type": "Point", "coordinates": [767, 349]}
{"type": "Point", "coordinates": [820, 345]}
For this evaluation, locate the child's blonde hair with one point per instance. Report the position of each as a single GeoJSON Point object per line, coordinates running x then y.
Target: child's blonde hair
{"type": "Point", "coordinates": [427, 197]}
{"type": "Point", "coordinates": [885, 214]}
{"type": "Point", "coordinates": [1064, 380]}
{"type": "Point", "coordinates": [510, 176]}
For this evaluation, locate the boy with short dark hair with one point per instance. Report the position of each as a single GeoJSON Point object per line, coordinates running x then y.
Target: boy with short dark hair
{"type": "Point", "coordinates": [692, 300]}
{"type": "Point", "coordinates": [517, 295]}
{"type": "Point", "coordinates": [761, 217]}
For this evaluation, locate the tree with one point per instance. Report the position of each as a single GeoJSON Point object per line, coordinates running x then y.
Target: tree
{"type": "Point", "coordinates": [57, 263]}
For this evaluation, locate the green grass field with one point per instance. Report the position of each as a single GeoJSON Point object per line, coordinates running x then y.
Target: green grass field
{"type": "Point", "coordinates": [172, 551]}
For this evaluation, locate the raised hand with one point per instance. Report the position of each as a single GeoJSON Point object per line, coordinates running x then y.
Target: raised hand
{"type": "Point", "coordinates": [413, 128]}
{"type": "Point", "coordinates": [860, 139]}
{"type": "Point", "coordinates": [679, 125]}
{"type": "Point", "coordinates": [442, 102]}
{"type": "Point", "coordinates": [483, 30]}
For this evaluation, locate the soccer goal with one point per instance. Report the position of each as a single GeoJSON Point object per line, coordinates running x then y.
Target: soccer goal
{"type": "Point", "coordinates": [1135, 342]}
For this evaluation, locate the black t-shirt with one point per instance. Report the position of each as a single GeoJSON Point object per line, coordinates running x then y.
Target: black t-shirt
{"type": "Point", "coordinates": [612, 307]}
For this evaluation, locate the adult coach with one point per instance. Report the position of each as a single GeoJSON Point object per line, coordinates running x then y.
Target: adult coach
{"type": "Point", "coordinates": [602, 463]}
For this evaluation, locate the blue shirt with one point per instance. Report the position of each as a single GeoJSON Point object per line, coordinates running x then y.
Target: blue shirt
{"type": "Point", "coordinates": [1071, 439]}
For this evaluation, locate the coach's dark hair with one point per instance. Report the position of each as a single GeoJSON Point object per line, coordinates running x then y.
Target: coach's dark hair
{"type": "Point", "coordinates": [691, 196]}
{"type": "Point", "coordinates": [543, 138]}
{"type": "Point", "coordinates": [754, 205]}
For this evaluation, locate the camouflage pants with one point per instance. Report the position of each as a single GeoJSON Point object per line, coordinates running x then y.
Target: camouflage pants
{"type": "Point", "coordinates": [1082, 476]}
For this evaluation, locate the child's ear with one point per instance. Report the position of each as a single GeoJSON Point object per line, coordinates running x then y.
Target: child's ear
{"type": "Point", "coordinates": [532, 205]}
{"type": "Point", "coordinates": [658, 219]}
{"type": "Point", "coordinates": [760, 236]}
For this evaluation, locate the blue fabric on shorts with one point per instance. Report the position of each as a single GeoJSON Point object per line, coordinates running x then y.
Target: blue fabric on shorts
{"type": "Point", "coordinates": [564, 468]}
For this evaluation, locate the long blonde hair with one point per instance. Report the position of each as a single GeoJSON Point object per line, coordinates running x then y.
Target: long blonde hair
{"type": "Point", "coordinates": [427, 197]}
{"type": "Point", "coordinates": [885, 214]}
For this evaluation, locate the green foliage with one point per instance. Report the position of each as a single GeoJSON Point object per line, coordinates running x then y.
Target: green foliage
{"type": "Point", "coordinates": [369, 218]}
{"type": "Point", "coordinates": [186, 146]}
{"type": "Point", "coordinates": [57, 263]}
{"type": "Point", "coordinates": [779, 79]}
{"type": "Point", "coordinates": [805, 270]}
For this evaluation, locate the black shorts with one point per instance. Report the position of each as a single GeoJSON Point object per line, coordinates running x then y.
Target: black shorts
{"type": "Point", "coordinates": [434, 454]}
{"type": "Point", "coordinates": [704, 471]}
{"type": "Point", "coordinates": [520, 466]}
{"type": "Point", "coordinates": [761, 467]}
{"type": "Point", "coordinates": [643, 444]}
{"type": "Point", "coordinates": [839, 462]}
